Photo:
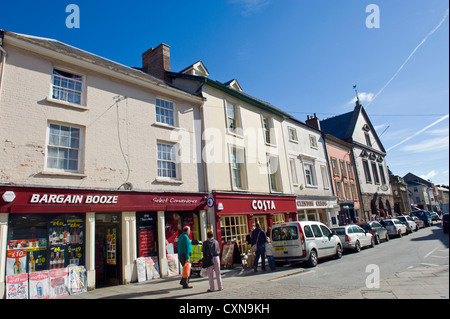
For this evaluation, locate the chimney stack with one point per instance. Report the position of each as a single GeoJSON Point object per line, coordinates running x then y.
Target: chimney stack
{"type": "Point", "coordinates": [156, 61]}
{"type": "Point", "coordinates": [313, 121]}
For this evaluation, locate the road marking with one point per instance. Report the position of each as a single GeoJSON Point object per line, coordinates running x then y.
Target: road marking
{"type": "Point", "coordinates": [429, 264]}
{"type": "Point", "coordinates": [291, 276]}
{"type": "Point", "coordinates": [427, 255]}
{"type": "Point", "coordinates": [440, 256]}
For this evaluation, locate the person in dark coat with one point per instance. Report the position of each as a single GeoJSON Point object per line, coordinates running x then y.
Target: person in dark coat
{"type": "Point", "coordinates": [259, 239]}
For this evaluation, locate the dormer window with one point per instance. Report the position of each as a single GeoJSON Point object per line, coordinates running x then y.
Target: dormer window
{"type": "Point", "coordinates": [234, 84]}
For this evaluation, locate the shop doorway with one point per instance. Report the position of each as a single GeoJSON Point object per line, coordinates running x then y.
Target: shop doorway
{"type": "Point", "coordinates": [108, 250]}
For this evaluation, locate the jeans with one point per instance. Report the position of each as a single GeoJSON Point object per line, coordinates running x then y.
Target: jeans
{"type": "Point", "coordinates": [271, 262]}
{"type": "Point", "coordinates": [260, 252]}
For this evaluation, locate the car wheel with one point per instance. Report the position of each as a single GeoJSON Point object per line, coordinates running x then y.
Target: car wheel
{"type": "Point", "coordinates": [338, 252]}
{"type": "Point", "coordinates": [357, 247]}
{"type": "Point", "coordinates": [313, 259]}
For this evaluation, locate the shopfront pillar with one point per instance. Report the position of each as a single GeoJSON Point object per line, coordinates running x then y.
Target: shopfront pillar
{"type": "Point", "coordinates": [129, 246]}
{"type": "Point", "coordinates": [203, 225]}
{"type": "Point", "coordinates": [163, 262]}
{"type": "Point", "coordinates": [3, 247]}
{"type": "Point", "coordinates": [90, 250]}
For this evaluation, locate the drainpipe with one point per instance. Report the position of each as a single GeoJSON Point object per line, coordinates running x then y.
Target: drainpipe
{"type": "Point", "coordinates": [4, 54]}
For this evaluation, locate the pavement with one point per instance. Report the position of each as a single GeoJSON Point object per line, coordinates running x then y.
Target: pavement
{"type": "Point", "coordinates": [424, 281]}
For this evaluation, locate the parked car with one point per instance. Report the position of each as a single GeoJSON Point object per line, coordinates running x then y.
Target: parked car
{"type": "Point", "coordinates": [377, 230]}
{"type": "Point", "coordinates": [434, 216]}
{"type": "Point", "coordinates": [408, 222]}
{"type": "Point", "coordinates": [354, 237]}
{"type": "Point", "coordinates": [394, 227]}
{"type": "Point", "coordinates": [420, 224]}
{"type": "Point", "coordinates": [445, 223]}
{"type": "Point", "coordinates": [304, 241]}
{"type": "Point", "coordinates": [424, 216]}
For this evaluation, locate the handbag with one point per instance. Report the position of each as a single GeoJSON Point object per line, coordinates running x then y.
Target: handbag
{"type": "Point", "coordinates": [207, 260]}
{"type": "Point", "coordinates": [253, 249]}
{"type": "Point", "coordinates": [186, 270]}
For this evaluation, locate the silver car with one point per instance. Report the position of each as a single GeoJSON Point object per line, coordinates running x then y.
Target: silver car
{"type": "Point", "coordinates": [304, 241]}
{"type": "Point", "coordinates": [409, 223]}
{"type": "Point", "coordinates": [394, 227]}
{"type": "Point", "coordinates": [354, 237]}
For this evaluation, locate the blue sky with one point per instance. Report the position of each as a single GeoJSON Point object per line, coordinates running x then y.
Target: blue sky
{"type": "Point", "coordinates": [301, 56]}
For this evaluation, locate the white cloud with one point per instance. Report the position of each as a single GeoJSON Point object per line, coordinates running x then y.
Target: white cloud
{"type": "Point", "coordinates": [432, 145]}
{"type": "Point", "coordinates": [363, 98]}
{"type": "Point", "coordinates": [250, 6]}
{"type": "Point", "coordinates": [429, 176]}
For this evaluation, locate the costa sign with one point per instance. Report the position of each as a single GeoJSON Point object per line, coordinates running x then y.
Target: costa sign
{"type": "Point", "coordinates": [264, 205]}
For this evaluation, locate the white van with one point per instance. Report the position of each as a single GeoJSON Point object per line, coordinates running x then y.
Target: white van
{"type": "Point", "coordinates": [304, 241]}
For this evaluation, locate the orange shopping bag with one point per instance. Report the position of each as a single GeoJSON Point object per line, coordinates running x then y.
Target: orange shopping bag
{"type": "Point", "coordinates": [186, 269]}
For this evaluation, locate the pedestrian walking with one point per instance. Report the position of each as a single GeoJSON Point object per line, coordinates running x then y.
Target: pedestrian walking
{"type": "Point", "coordinates": [259, 239]}
{"type": "Point", "coordinates": [211, 250]}
{"type": "Point", "coordinates": [184, 249]}
{"type": "Point", "coordinates": [269, 254]}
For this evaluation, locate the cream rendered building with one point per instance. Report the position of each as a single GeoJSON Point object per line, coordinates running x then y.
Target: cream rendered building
{"type": "Point", "coordinates": [244, 155]}
{"type": "Point", "coordinates": [80, 134]}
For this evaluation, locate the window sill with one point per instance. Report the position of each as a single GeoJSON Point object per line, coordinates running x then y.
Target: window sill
{"type": "Point", "coordinates": [163, 125]}
{"type": "Point", "coordinates": [64, 174]}
{"type": "Point", "coordinates": [168, 181]}
{"type": "Point", "coordinates": [68, 104]}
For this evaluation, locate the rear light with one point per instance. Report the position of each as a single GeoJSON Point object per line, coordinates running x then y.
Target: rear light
{"type": "Point", "coordinates": [372, 232]}
{"type": "Point", "coordinates": [302, 239]}
{"type": "Point", "coordinates": [347, 238]}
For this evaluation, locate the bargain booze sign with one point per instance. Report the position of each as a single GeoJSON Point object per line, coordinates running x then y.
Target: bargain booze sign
{"type": "Point", "coordinates": [58, 200]}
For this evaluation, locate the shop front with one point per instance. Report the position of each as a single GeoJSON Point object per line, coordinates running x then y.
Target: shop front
{"type": "Point", "coordinates": [325, 210]}
{"type": "Point", "coordinates": [237, 213]}
{"type": "Point", "coordinates": [49, 230]}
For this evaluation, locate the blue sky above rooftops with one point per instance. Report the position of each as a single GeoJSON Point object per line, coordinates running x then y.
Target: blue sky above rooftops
{"type": "Point", "coordinates": [301, 56]}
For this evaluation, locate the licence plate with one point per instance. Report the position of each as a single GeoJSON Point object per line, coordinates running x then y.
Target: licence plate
{"type": "Point", "coordinates": [280, 249]}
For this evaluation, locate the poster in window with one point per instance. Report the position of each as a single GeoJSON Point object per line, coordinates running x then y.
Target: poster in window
{"type": "Point", "coordinates": [173, 268]}
{"type": "Point", "coordinates": [39, 285]}
{"type": "Point", "coordinates": [59, 283]}
{"type": "Point", "coordinates": [145, 242]}
{"type": "Point", "coordinates": [141, 269]}
{"type": "Point", "coordinates": [173, 229]}
{"type": "Point", "coordinates": [77, 280]}
{"type": "Point", "coordinates": [111, 248]}
{"type": "Point", "coordinates": [17, 286]}
{"type": "Point", "coordinates": [227, 254]}
{"type": "Point", "coordinates": [152, 266]}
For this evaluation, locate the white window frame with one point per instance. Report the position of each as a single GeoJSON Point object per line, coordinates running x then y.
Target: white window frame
{"type": "Point", "coordinates": [268, 133]}
{"type": "Point", "coordinates": [366, 168]}
{"type": "Point", "coordinates": [293, 170]}
{"type": "Point", "coordinates": [61, 147]}
{"type": "Point", "coordinates": [312, 174]}
{"type": "Point", "coordinates": [174, 161]}
{"type": "Point", "coordinates": [324, 172]}
{"type": "Point", "coordinates": [292, 137]}
{"type": "Point", "coordinates": [313, 141]}
{"type": "Point", "coordinates": [350, 170]}
{"type": "Point", "coordinates": [375, 172]}
{"type": "Point", "coordinates": [335, 166]}
{"type": "Point", "coordinates": [66, 90]}
{"type": "Point", "coordinates": [163, 108]}
{"type": "Point", "coordinates": [274, 175]}
{"type": "Point", "coordinates": [343, 168]}
{"type": "Point", "coordinates": [238, 130]}
{"type": "Point", "coordinates": [240, 151]}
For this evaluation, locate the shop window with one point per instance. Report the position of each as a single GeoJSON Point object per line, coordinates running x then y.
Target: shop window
{"type": "Point", "coordinates": [235, 228]}
{"type": "Point", "coordinates": [147, 234]}
{"type": "Point", "coordinates": [38, 242]}
{"type": "Point", "coordinates": [175, 222]}
{"type": "Point", "coordinates": [278, 218]}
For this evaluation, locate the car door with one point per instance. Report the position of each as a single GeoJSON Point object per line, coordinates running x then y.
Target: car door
{"type": "Point", "coordinates": [319, 240]}
{"type": "Point", "coordinates": [328, 240]}
{"type": "Point", "coordinates": [366, 238]}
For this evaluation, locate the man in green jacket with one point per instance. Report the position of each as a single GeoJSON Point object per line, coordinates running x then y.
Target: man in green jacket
{"type": "Point", "coordinates": [184, 249]}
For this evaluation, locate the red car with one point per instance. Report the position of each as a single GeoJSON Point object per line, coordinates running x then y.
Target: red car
{"type": "Point", "coordinates": [419, 222]}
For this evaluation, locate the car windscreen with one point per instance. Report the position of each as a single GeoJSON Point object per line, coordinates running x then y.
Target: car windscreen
{"type": "Point", "coordinates": [285, 233]}
{"type": "Point", "coordinates": [388, 222]}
